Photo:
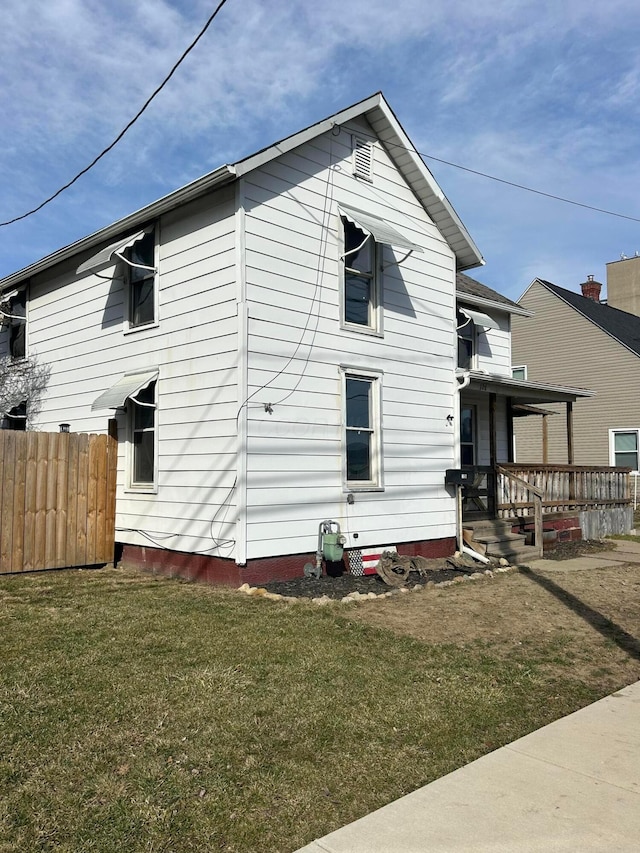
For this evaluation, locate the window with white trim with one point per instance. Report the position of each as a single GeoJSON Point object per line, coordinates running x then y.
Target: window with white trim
{"type": "Point", "coordinates": [141, 412]}
{"type": "Point", "coordinates": [15, 418]}
{"type": "Point", "coordinates": [14, 318]}
{"type": "Point", "coordinates": [141, 265]}
{"type": "Point", "coordinates": [362, 431]}
{"type": "Point", "coordinates": [467, 435]}
{"type": "Point", "coordinates": [519, 372]}
{"type": "Point", "coordinates": [360, 279]}
{"type": "Point", "coordinates": [624, 445]}
{"type": "Point", "coordinates": [467, 341]}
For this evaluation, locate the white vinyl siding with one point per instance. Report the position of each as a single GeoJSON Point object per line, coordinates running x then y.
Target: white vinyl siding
{"type": "Point", "coordinates": [294, 464]}
{"type": "Point", "coordinates": [195, 352]}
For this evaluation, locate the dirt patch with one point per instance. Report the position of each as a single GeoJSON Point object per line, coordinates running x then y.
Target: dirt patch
{"type": "Point", "coordinates": [584, 623]}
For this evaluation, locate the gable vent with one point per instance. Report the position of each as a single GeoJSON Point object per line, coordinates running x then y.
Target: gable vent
{"type": "Point", "coordinates": [362, 158]}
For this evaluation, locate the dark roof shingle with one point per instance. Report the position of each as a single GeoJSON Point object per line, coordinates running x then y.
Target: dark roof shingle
{"type": "Point", "coordinates": [621, 325]}
{"type": "Point", "coordinates": [465, 284]}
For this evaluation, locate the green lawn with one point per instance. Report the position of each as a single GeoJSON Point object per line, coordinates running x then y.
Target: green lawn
{"type": "Point", "coordinates": [142, 714]}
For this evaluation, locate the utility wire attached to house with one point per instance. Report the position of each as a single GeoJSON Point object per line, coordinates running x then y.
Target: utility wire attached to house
{"type": "Point", "coordinates": [126, 128]}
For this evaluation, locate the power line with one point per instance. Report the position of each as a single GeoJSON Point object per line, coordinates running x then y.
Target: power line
{"type": "Point", "coordinates": [521, 186]}
{"type": "Point", "coordinates": [126, 128]}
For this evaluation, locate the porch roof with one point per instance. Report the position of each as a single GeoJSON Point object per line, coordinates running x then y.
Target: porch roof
{"type": "Point", "coordinates": [523, 392]}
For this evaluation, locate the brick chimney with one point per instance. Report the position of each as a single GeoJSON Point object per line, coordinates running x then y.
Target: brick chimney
{"type": "Point", "coordinates": [591, 289]}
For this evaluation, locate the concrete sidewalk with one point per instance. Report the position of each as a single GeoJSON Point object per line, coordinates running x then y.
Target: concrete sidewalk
{"type": "Point", "coordinates": [571, 786]}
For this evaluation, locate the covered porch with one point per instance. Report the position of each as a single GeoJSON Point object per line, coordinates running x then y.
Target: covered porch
{"type": "Point", "coordinates": [528, 495]}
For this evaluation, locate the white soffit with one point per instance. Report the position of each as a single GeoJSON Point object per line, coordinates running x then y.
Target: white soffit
{"type": "Point", "coordinates": [380, 230]}
{"type": "Point", "coordinates": [480, 319]}
{"type": "Point", "coordinates": [128, 386]}
{"type": "Point", "coordinates": [103, 257]}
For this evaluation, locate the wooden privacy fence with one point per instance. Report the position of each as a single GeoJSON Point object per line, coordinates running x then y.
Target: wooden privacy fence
{"type": "Point", "coordinates": [57, 500]}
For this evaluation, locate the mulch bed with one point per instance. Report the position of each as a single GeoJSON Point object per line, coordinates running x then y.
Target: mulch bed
{"type": "Point", "coordinates": [439, 570]}
{"type": "Point", "coordinates": [340, 586]}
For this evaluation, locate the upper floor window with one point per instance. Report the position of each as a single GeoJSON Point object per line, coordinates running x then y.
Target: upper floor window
{"type": "Point", "coordinates": [519, 372]}
{"type": "Point", "coordinates": [466, 341]}
{"type": "Point", "coordinates": [141, 279]}
{"type": "Point", "coordinates": [14, 317]}
{"type": "Point", "coordinates": [361, 279]}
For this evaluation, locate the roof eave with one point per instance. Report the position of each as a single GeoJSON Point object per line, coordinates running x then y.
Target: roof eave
{"type": "Point", "coordinates": [224, 174]}
{"type": "Point", "coordinates": [490, 303]}
{"type": "Point", "coordinates": [558, 393]}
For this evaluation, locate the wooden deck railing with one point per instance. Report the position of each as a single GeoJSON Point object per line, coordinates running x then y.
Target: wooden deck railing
{"type": "Point", "coordinates": [564, 488]}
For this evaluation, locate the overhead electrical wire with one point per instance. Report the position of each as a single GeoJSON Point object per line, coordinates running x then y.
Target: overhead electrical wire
{"type": "Point", "coordinates": [126, 128]}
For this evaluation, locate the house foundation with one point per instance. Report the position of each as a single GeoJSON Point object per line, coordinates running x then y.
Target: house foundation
{"type": "Point", "coordinates": [221, 571]}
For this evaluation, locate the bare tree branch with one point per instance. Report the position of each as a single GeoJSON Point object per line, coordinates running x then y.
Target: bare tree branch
{"type": "Point", "coordinates": [23, 381]}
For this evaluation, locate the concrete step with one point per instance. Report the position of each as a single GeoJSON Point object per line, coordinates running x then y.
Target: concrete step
{"type": "Point", "coordinates": [490, 539]}
{"type": "Point", "coordinates": [517, 554]}
{"type": "Point", "coordinates": [489, 526]}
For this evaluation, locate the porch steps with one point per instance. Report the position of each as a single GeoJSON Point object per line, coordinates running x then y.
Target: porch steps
{"type": "Point", "coordinates": [501, 542]}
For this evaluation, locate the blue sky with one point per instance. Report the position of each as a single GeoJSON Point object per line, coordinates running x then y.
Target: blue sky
{"type": "Point", "coordinates": [540, 93]}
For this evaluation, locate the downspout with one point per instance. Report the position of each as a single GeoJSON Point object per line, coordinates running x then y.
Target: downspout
{"type": "Point", "coordinates": [242, 382]}
{"type": "Point", "coordinates": [459, 386]}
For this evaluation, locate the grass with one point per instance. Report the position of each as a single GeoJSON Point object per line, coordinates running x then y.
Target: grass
{"type": "Point", "coordinates": [142, 714]}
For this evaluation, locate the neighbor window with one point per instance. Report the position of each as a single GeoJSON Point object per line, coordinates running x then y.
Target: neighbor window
{"type": "Point", "coordinates": [466, 341]}
{"type": "Point", "coordinates": [623, 448]}
{"type": "Point", "coordinates": [519, 372]}
{"type": "Point", "coordinates": [361, 280]}
{"type": "Point", "coordinates": [142, 421]}
{"type": "Point", "coordinates": [141, 276]}
{"type": "Point", "coordinates": [362, 431]}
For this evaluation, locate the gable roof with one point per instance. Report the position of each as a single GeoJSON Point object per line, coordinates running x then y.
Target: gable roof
{"type": "Point", "coordinates": [384, 123]}
{"type": "Point", "coordinates": [476, 293]}
{"type": "Point", "coordinates": [620, 325]}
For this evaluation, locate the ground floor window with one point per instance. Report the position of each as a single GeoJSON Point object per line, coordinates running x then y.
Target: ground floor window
{"type": "Point", "coordinates": [142, 423]}
{"type": "Point", "coordinates": [467, 435]}
{"type": "Point", "coordinates": [362, 430]}
{"type": "Point", "coordinates": [623, 448]}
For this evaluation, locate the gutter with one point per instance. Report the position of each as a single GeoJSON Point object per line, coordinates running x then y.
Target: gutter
{"type": "Point", "coordinates": [199, 187]}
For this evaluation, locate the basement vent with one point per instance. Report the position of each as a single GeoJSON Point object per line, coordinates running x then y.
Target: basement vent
{"type": "Point", "coordinates": [362, 158]}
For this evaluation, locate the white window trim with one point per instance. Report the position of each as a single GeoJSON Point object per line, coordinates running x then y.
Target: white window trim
{"type": "Point", "coordinates": [473, 364]}
{"type": "Point", "coordinates": [375, 328]}
{"type": "Point", "coordinates": [612, 447]}
{"type": "Point", "coordinates": [141, 488]}
{"type": "Point", "coordinates": [376, 484]}
{"type": "Point", "coordinates": [9, 321]}
{"type": "Point", "coordinates": [519, 367]}
{"type": "Point", "coordinates": [155, 323]}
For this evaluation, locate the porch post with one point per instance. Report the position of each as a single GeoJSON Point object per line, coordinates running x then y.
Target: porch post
{"type": "Point", "coordinates": [509, 403]}
{"type": "Point", "coordinates": [545, 440]}
{"type": "Point", "coordinates": [492, 430]}
{"type": "Point", "coordinates": [569, 433]}
{"type": "Point", "coordinates": [572, 475]}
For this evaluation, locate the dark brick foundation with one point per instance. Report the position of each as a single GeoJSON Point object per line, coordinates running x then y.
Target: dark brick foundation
{"type": "Point", "coordinates": [221, 571]}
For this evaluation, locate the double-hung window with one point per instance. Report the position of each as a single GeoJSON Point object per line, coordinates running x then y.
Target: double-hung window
{"type": "Point", "coordinates": [142, 427]}
{"type": "Point", "coordinates": [141, 267]}
{"type": "Point", "coordinates": [14, 317]}
{"type": "Point", "coordinates": [624, 446]}
{"type": "Point", "coordinates": [362, 430]}
{"type": "Point", "coordinates": [466, 341]}
{"type": "Point", "coordinates": [361, 288]}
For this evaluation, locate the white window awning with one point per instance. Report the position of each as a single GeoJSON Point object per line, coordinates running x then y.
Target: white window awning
{"type": "Point", "coordinates": [116, 396]}
{"type": "Point", "coordinates": [479, 318]}
{"type": "Point", "coordinates": [104, 256]}
{"type": "Point", "coordinates": [379, 229]}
